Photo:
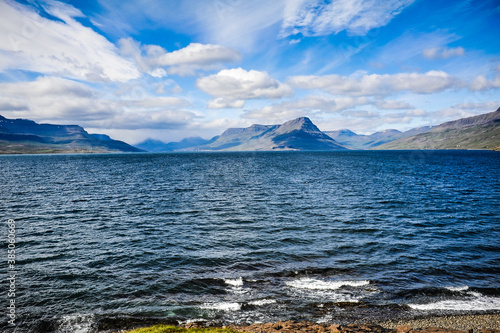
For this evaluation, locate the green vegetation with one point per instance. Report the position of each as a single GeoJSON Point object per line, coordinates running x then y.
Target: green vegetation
{"type": "Point", "coordinates": [478, 132]}
{"type": "Point", "coordinates": [477, 137]}
{"type": "Point", "coordinates": [175, 329]}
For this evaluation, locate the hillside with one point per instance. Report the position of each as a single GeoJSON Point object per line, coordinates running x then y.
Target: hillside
{"type": "Point", "coordinates": [351, 140]}
{"type": "Point", "coordinates": [23, 136]}
{"type": "Point", "coordinates": [478, 132]}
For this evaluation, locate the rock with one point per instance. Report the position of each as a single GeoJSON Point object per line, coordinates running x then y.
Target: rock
{"type": "Point", "coordinates": [334, 328]}
{"type": "Point", "coordinates": [403, 329]}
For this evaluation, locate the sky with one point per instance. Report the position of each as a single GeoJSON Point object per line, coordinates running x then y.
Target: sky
{"type": "Point", "coordinates": [170, 69]}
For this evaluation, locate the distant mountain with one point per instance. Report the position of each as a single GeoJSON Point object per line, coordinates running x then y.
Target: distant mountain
{"type": "Point", "coordinates": [478, 132]}
{"type": "Point", "coordinates": [23, 136]}
{"type": "Point", "coordinates": [160, 146]}
{"type": "Point", "coordinates": [298, 134]}
{"type": "Point", "coordinates": [351, 140]}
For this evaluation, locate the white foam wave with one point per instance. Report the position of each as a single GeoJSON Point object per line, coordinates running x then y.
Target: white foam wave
{"type": "Point", "coordinates": [477, 303]}
{"type": "Point", "coordinates": [77, 323]}
{"type": "Point", "coordinates": [262, 302]}
{"type": "Point", "coordinates": [314, 284]}
{"type": "Point", "coordinates": [223, 306]}
{"type": "Point", "coordinates": [462, 288]}
{"type": "Point", "coordinates": [238, 282]}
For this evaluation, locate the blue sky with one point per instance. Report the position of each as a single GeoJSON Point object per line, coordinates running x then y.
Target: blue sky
{"type": "Point", "coordinates": [173, 69]}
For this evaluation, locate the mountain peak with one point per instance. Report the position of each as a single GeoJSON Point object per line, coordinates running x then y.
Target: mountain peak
{"type": "Point", "coordinates": [302, 123]}
{"type": "Point", "coordinates": [296, 134]}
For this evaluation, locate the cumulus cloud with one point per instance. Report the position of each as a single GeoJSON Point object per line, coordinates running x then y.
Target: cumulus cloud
{"type": "Point", "coordinates": [221, 103]}
{"type": "Point", "coordinates": [377, 85]}
{"type": "Point", "coordinates": [152, 59]}
{"type": "Point", "coordinates": [58, 100]}
{"type": "Point", "coordinates": [64, 47]}
{"type": "Point", "coordinates": [319, 18]}
{"type": "Point", "coordinates": [481, 82]}
{"type": "Point", "coordinates": [239, 84]}
{"type": "Point", "coordinates": [443, 52]}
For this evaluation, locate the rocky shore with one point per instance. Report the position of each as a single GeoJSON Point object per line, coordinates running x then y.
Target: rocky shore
{"type": "Point", "coordinates": [487, 323]}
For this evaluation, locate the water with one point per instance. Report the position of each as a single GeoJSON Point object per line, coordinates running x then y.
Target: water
{"type": "Point", "coordinates": [115, 241]}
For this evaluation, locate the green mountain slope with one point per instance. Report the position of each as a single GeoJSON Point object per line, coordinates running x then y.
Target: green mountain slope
{"type": "Point", "coordinates": [479, 132]}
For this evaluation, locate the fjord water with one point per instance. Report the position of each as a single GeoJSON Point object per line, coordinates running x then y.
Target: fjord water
{"type": "Point", "coordinates": [112, 241]}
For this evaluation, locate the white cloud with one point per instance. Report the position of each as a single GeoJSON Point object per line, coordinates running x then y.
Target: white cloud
{"type": "Point", "coordinates": [319, 18]}
{"type": "Point", "coordinates": [239, 84]}
{"type": "Point", "coordinates": [392, 105]}
{"type": "Point", "coordinates": [481, 107]}
{"type": "Point", "coordinates": [481, 82]}
{"type": "Point", "coordinates": [152, 59]}
{"type": "Point", "coordinates": [378, 85]}
{"type": "Point", "coordinates": [62, 101]}
{"type": "Point", "coordinates": [31, 42]}
{"type": "Point", "coordinates": [221, 103]}
{"type": "Point", "coordinates": [443, 52]}
{"type": "Point", "coordinates": [321, 105]}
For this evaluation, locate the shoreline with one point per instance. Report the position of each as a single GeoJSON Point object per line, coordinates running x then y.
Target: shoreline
{"type": "Point", "coordinates": [468, 323]}
{"type": "Point", "coordinates": [462, 322]}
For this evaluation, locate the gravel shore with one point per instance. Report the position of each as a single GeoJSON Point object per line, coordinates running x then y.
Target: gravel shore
{"type": "Point", "coordinates": [459, 322]}
{"type": "Point", "coordinates": [481, 323]}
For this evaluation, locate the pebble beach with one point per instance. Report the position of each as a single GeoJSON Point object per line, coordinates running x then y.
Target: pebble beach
{"type": "Point", "coordinates": [484, 323]}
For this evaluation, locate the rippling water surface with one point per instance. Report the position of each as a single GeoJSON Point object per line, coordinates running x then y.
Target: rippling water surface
{"type": "Point", "coordinates": [111, 241]}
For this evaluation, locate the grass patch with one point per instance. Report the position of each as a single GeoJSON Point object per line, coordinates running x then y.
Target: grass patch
{"type": "Point", "coordinates": [176, 329]}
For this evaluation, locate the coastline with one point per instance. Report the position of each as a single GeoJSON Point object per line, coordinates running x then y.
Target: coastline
{"type": "Point", "coordinates": [463, 322]}
{"type": "Point", "coordinates": [471, 323]}
{"type": "Point", "coordinates": [466, 323]}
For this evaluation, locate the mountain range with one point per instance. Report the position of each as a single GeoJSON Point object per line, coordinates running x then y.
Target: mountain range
{"type": "Point", "coordinates": [23, 136]}
{"type": "Point", "coordinates": [349, 139]}
{"type": "Point", "coordinates": [479, 132]}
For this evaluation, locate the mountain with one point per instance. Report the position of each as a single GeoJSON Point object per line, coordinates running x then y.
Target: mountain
{"type": "Point", "coordinates": [298, 134]}
{"type": "Point", "coordinates": [23, 136]}
{"type": "Point", "coordinates": [352, 140]}
{"type": "Point", "coordinates": [478, 132]}
{"type": "Point", "coordinates": [160, 146]}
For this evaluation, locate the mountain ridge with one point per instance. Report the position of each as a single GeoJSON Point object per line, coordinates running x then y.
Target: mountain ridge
{"type": "Point", "coordinates": [476, 132]}
{"type": "Point", "coordinates": [25, 136]}
{"type": "Point", "coordinates": [302, 134]}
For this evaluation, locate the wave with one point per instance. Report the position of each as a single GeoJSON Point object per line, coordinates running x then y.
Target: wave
{"type": "Point", "coordinates": [238, 282]}
{"type": "Point", "coordinates": [314, 284]}
{"type": "Point", "coordinates": [261, 302]}
{"type": "Point", "coordinates": [461, 288]}
{"type": "Point", "coordinates": [77, 323]}
{"type": "Point", "coordinates": [223, 306]}
{"type": "Point", "coordinates": [477, 302]}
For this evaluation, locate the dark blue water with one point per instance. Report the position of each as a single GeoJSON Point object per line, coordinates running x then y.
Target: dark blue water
{"type": "Point", "coordinates": [111, 241]}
